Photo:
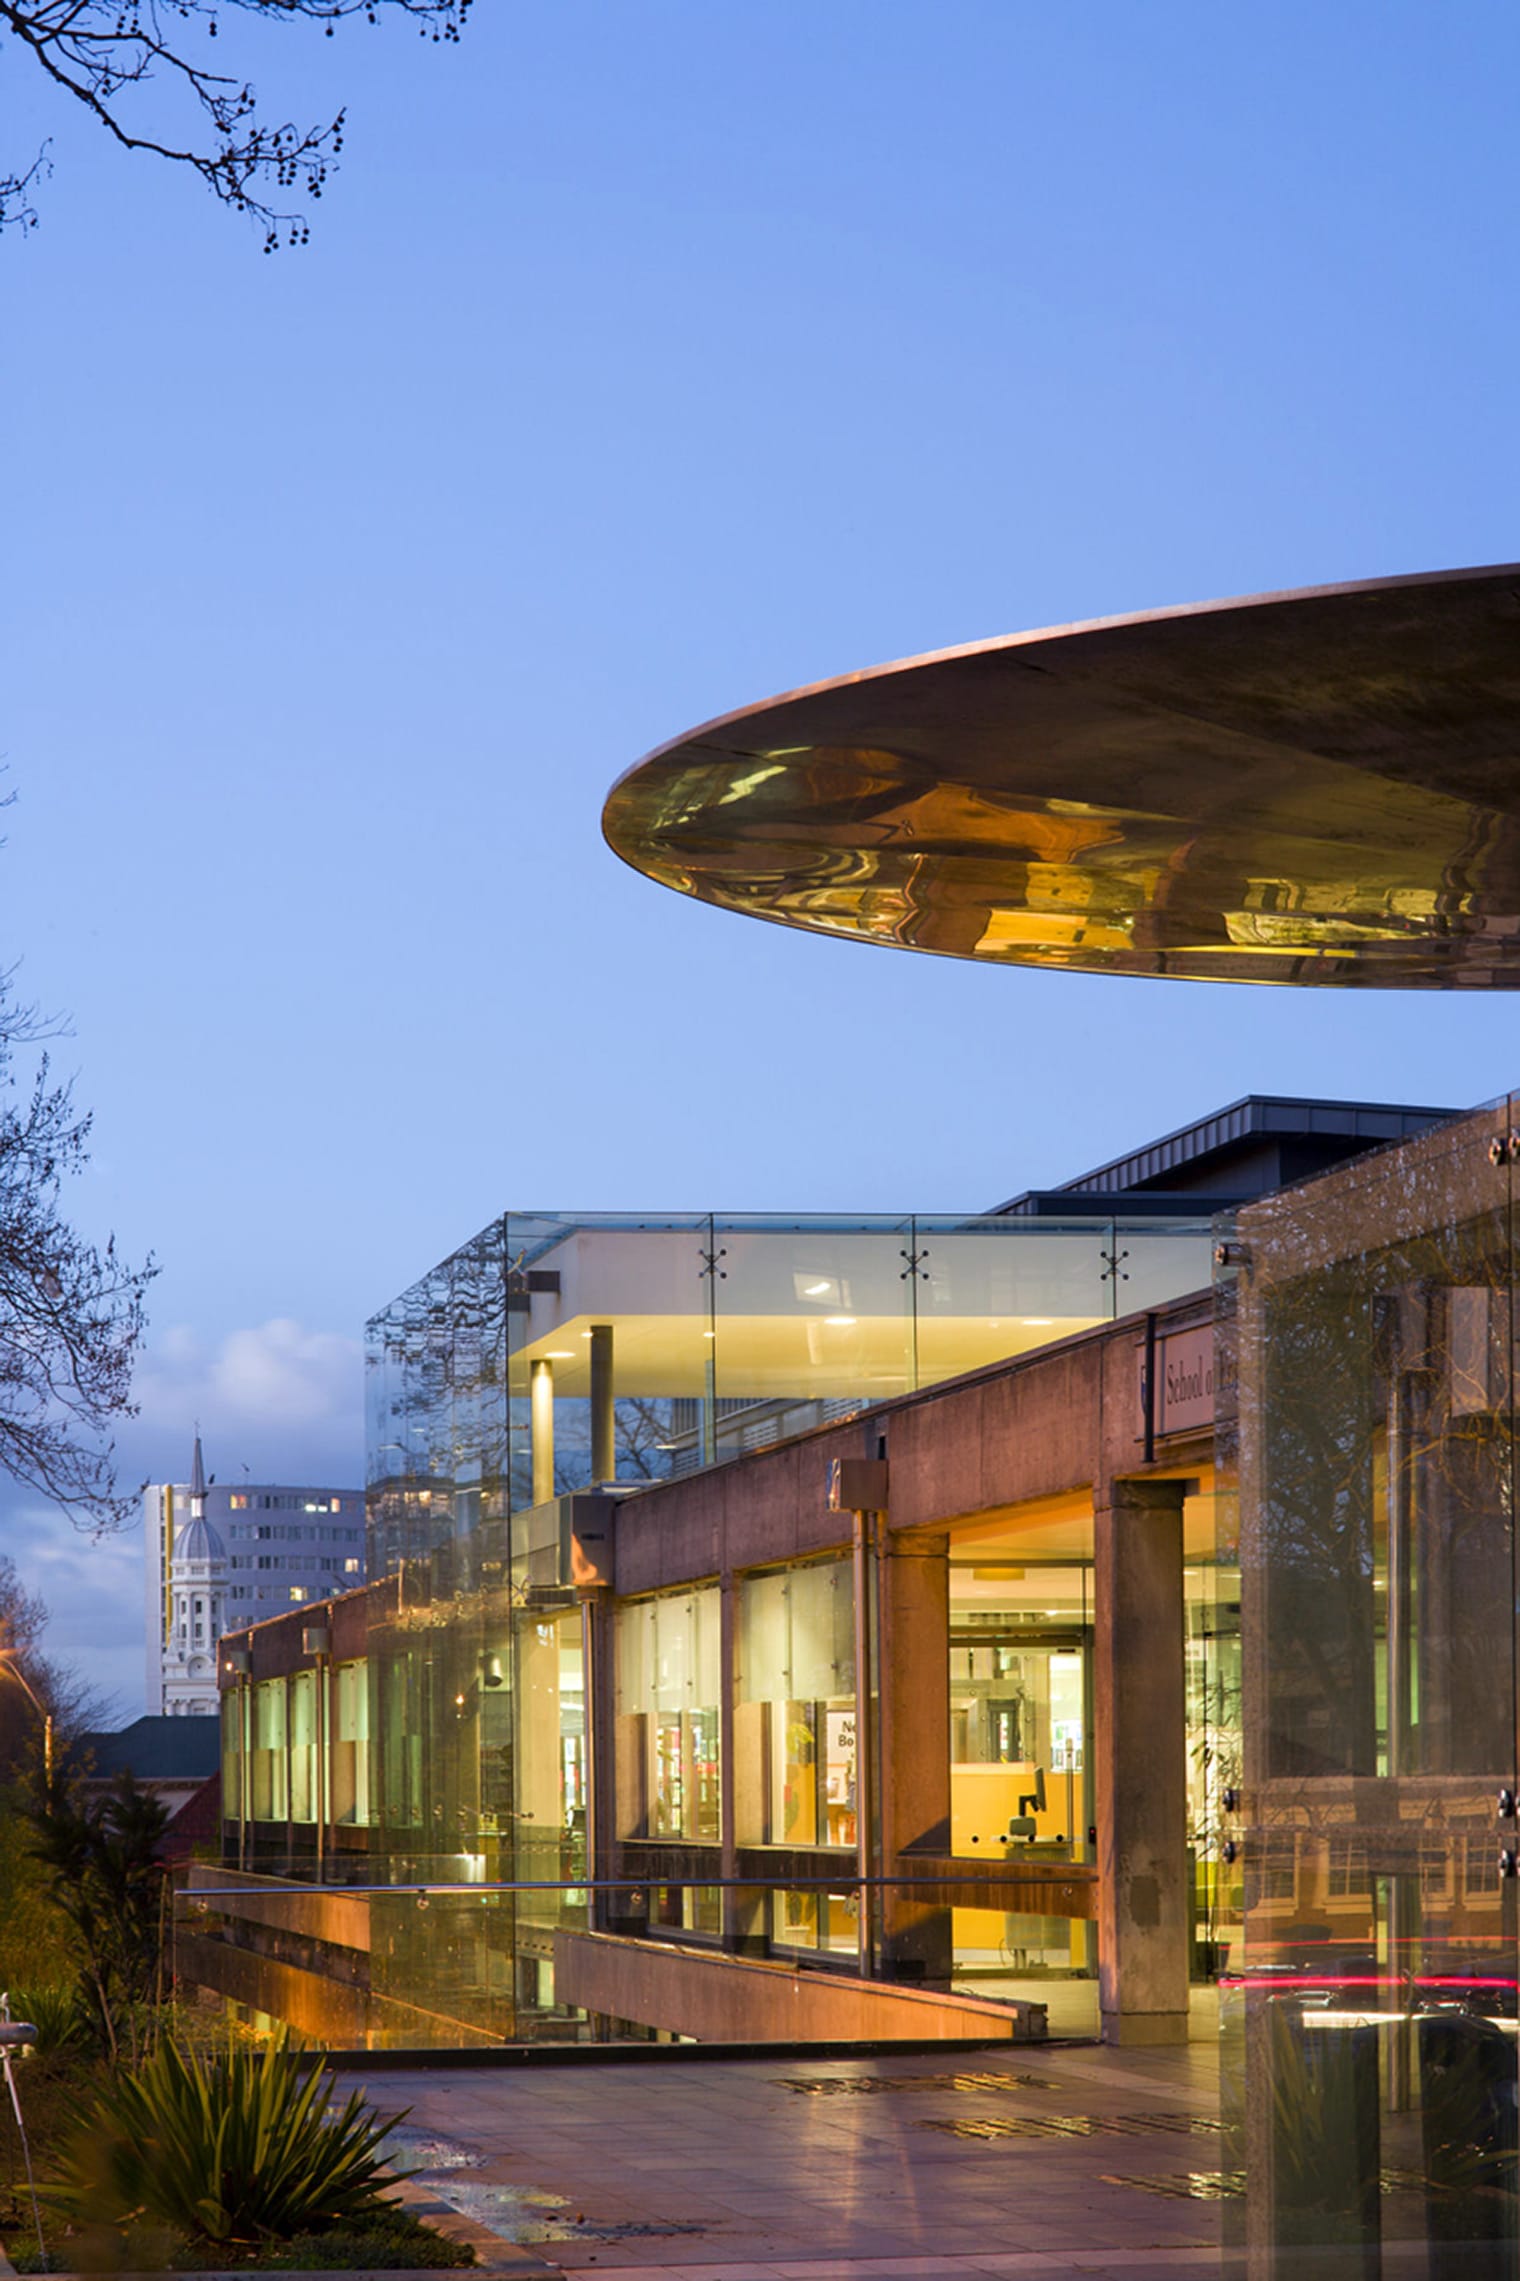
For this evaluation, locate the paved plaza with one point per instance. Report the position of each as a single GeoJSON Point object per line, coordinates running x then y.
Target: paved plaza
{"type": "Point", "coordinates": [1029, 2161]}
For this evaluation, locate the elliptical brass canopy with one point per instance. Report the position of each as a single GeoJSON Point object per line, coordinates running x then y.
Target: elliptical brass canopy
{"type": "Point", "coordinates": [1311, 787]}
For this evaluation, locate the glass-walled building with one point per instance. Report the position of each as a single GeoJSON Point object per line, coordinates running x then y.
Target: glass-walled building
{"type": "Point", "coordinates": [553, 1353]}
{"type": "Point", "coordinates": [553, 1358]}
{"type": "Point", "coordinates": [651, 1693]}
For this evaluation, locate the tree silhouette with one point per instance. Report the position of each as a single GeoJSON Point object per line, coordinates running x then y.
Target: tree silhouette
{"type": "Point", "coordinates": [71, 1315]}
{"type": "Point", "coordinates": [105, 53]}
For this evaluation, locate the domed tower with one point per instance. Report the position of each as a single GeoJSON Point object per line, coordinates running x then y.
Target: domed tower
{"type": "Point", "coordinates": [197, 1598]}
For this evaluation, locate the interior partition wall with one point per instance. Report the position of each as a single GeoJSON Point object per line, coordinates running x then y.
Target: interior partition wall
{"type": "Point", "coordinates": [1371, 2019]}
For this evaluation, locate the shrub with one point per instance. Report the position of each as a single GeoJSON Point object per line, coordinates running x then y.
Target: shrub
{"type": "Point", "coordinates": [235, 2149]}
{"type": "Point", "coordinates": [105, 1877]}
{"type": "Point", "coordinates": [56, 2012]}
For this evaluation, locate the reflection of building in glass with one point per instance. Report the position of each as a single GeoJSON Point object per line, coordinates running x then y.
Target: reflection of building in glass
{"type": "Point", "coordinates": [1370, 1323]}
{"type": "Point", "coordinates": [223, 1556]}
{"type": "Point", "coordinates": [642, 1705]}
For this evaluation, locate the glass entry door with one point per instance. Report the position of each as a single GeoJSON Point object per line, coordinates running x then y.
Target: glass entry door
{"type": "Point", "coordinates": [1021, 1778]}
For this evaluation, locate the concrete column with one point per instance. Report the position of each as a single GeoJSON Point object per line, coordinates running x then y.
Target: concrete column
{"type": "Point", "coordinates": [603, 1443]}
{"type": "Point", "coordinates": [914, 1715]}
{"type": "Point", "coordinates": [744, 1911]}
{"type": "Point", "coordinates": [597, 1648]}
{"type": "Point", "coordinates": [541, 1422]}
{"type": "Point", "coordinates": [1144, 1905]}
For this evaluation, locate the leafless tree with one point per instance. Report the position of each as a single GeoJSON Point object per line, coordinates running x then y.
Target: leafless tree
{"type": "Point", "coordinates": [33, 1685]}
{"type": "Point", "coordinates": [71, 1315]}
{"type": "Point", "coordinates": [105, 54]}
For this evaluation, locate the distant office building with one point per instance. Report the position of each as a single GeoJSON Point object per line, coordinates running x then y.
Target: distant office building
{"type": "Point", "coordinates": [221, 1556]}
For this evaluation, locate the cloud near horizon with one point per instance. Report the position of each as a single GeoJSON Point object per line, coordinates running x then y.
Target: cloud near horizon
{"type": "Point", "coordinates": [281, 1398]}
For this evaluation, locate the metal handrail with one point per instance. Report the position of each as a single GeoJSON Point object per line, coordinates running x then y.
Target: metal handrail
{"type": "Point", "coordinates": [785, 1884]}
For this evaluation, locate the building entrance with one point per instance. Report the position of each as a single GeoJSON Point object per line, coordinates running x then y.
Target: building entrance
{"type": "Point", "coordinates": [1021, 1774]}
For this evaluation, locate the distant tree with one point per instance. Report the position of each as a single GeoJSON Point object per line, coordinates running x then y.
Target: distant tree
{"type": "Point", "coordinates": [105, 52]}
{"type": "Point", "coordinates": [23, 1613]}
{"type": "Point", "coordinates": [38, 1943]}
{"type": "Point", "coordinates": [106, 1878]}
{"type": "Point", "coordinates": [50, 1689]}
{"type": "Point", "coordinates": [71, 1316]}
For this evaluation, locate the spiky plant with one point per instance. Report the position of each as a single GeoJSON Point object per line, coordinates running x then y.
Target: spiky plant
{"type": "Point", "coordinates": [61, 2021]}
{"type": "Point", "coordinates": [234, 2148]}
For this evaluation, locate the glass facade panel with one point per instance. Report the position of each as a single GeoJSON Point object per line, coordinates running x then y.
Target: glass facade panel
{"type": "Point", "coordinates": [552, 1352]}
{"type": "Point", "coordinates": [797, 1702]}
{"type": "Point", "coordinates": [271, 1766]}
{"type": "Point", "coordinates": [234, 1804]}
{"type": "Point", "coordinates": [825, 1923]}
{"type": "Point", "coordinates": [303, 1747]}
{"type": "Point", "coordinates": [350, 1757]}
{"type": "Point", "coordinates": [668, 1691]}
{"type": "Point", "coordinates": [1211, 1596]}
{"type": "Point", "coordinates": [1020, 1707]}
{"type": "Point", "coordinates": [1021, 1761]}
{"type": "Point", "coordinates": [1371, 2019]}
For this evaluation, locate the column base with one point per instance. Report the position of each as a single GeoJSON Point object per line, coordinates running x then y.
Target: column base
{"type": "Point", "coordinates": [1132, 2028]}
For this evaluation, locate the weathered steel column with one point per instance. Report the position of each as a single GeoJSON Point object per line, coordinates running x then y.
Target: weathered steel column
{"type": "Point", "coordinates": [603, 1442]}
{"type": "Point", "coordinates": [1144, 1904]}
{"type": "Point", "coordinates": [914, 1714]}
{"type": "Point", "coordinates": [599, 1678]}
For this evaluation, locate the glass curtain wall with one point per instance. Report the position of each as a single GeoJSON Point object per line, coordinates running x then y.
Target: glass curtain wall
{"type": "Point", "coordinates": [551, 1354]}
{"type": "Point", "coordinates": [1371, 2018]}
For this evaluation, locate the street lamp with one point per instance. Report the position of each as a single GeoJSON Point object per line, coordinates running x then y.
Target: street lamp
{"type": "Point", "coordinates": [9, 1664]}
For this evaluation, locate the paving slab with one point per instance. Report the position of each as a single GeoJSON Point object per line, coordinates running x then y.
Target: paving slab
{"type": "Point", "coordinates": [898, 2167]}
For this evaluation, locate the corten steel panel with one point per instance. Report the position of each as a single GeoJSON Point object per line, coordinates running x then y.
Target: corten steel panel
{"type": "Point", "coordinates": [1313, 787]}
{"type": "Point", "coordinates": [726, 1999]}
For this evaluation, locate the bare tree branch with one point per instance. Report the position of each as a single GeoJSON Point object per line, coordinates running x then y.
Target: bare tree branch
{"type": "Point", "coordinates": [99, 51]}
{"type": "Point", "coordinates": [71, 1315]}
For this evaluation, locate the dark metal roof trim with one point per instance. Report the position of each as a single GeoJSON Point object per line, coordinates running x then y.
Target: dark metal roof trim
{"type": "Point", "coordinates": [1256, 1116]}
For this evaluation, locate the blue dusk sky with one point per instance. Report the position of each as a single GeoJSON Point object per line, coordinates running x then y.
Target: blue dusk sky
{"type": "Point", "coordinates": [649, 358]}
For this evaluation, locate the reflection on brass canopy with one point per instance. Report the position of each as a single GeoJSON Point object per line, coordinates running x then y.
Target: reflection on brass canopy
{"type": "Point", "coordinates": [1320, 786]}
